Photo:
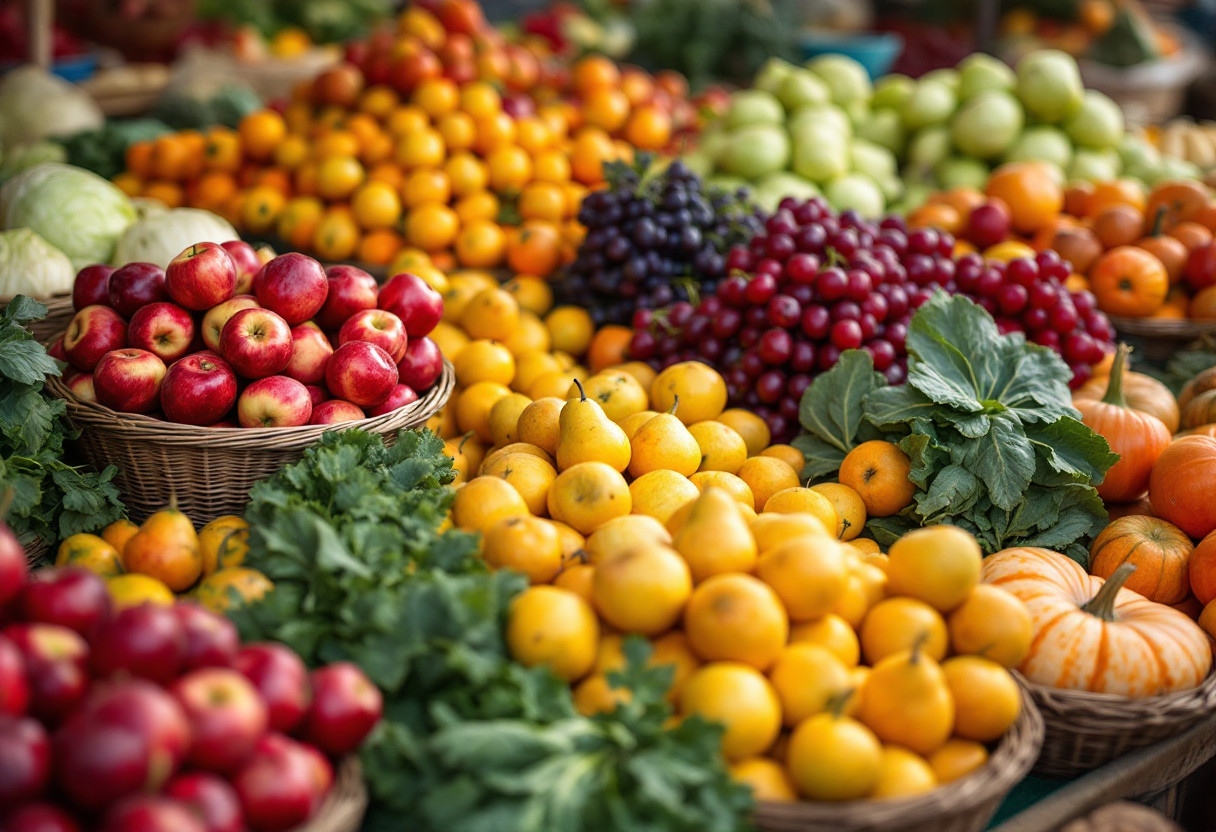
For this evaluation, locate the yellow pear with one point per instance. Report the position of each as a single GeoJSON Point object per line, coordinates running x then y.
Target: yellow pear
{"type": "Point", "coordinates": [623, 533]}
{"type": "Point", "coordinates": [588, 435]}
{"type": "Point", "coordinates": [166, 548]}
{"type": "Point", "coordinates": [715, 539]}
{"type": "Point", "coordinates": [617, 392]}
{"type": "Point", "coordinates": [633, 421]}
{"type": "Point", "coordinates": [664, 443]}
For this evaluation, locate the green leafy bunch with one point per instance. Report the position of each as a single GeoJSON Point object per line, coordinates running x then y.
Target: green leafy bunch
{"type": "Point", "coordinates": [51, 500]}
{"type": "Point", "coordinates": [986, 419]}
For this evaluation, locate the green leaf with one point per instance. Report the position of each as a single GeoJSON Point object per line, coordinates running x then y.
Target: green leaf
{"type": "Point", "coordinates": [1002, 460]}
{"type": "Point", "coordinates": [832, 407]}
{"type": "Point", "coordinates": [953, 487]}
{"type": "Point", "coordinates": [26, 362]}
{"type": "Point", "coordinates": [22, 309]}
{"type": "Point", "coordinates": [1072, 450]}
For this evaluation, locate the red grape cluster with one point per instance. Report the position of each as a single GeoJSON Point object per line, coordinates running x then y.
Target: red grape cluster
{"type": "Point", "coordinates": [814, 284]}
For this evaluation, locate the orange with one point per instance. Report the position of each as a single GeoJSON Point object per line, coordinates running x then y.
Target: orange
{"type": "Point", "coordinates": [766, 778]}
{"type": "Point", "coordinates": [483, 501]}
{"type": "Point", "coordinates": [608, 347]}
{"type": "Point", "coordinates": [1031, 194]}
{"type": "Point", "coordinates": [376, 205]}
{"type": "Point", "coordinates": [170, 193]}
{"type": "Point", "coordinates": [305, 179]}
{"type": "Point", "coordinates": [426, 185]}
{"type": "Point", "coordinates": [532, 134]}
{"type": "Point", "coordinates": [387, 172]}
{"type": "Point", "coordinates": [221, 151]}
{"type": "Point", "coordinates": [431, 227]}
{"type": "Point", "coordinates": [129, 184]}
{"type": "Point", "coordinates": [525, 544]}
{"type": "Point", "coordinates": [576, 577]}
{"type": "Point", "coordinates": [467, 174]}
{"type": "Point", "coordinates": [554, 117]}
{"type": "Point", "coordinates": [591, 149]}
{"type": "Point", "coordinates": [509, 168]}
{"type": "Point", "coordinates": [767, 476]}
{"type": "Point", "coordinates": [551, 166]}
{"type": "Point", "coordinates": [379, 247]}
{"type": "Point", "coordinates": [335, 143]}
{"type": "Point", "coordinates": [214, 188]}
{"type": "Point", "coordinates": [480, 244]}
{"type": "Point", "coordinates": [606, 108]}
{"type": "Point", "coordinates": [260, 209]}
{"type": "Point", "coordinates": [536, 249]}
{"type": "Point", "coordinates": [571, 329]}
{"type": "Point", "coordinates": [484, 360]}
{"type": "Point", "coordinates": [170, 157]}
{"type": "Point", "coordinates": [458, 131]}
{"type": "Point", "coordinates": [491, 313]}
{"type": "Point", "coordinates": [594, 72]}
{"type": "Point", "coordinates": [138, 156]}
{"type": "Point", "coordinates": [473, 406]}
{"type": "Point", "coordinates": [275, 178]}
{"type": "Point", "coordinates": [406, 119]}
{"type": "Point", "coordinates": [741, 699]}
{"type": "Point", "coordinates": [788, 454]}
{"type": "Point", "coordinates": [436, 96]}
{"type": "Point", "coordinates": [338, 176]}
{"type": "Point", "coordinates": [530, 475]}
{"type": "Point", "coordinates": [420, 148]}
{"type": "Point", "coordinates": [337, 235]}
{"type": "Point", "coordinates": [493, 131]}
{"type": "Point", "coordinates": [377, 101]}
{"type": "Point", "coordinates": [480, 99]}
{"type": "Point", "coordinates": [1117, 192]}
{"type": "Point", "coordinates": [261, 133]}
{"type": "Point", "coordinates": [736, 617]}
{"type": "Point", "coordinates": [420, 23]}
{"type": "Point", "coordinates": [832, 633]}
{"type": "Point", "coordinates": [554, 627]}
{"type": "Point", "coordinates": [532, 293]}
{"type": "Point", "coordinates": [648, 128]}
{"type": "Point", "coordinates": [878, 472]}
{"type": "Point", "coordinates": [118, 533]}
{"type": "Point", "coordinates": [542, 201]}
{"type": "Point", "coordinates": [297, 224]}
{"type": "Point", "coordinates": [292, 152]}
{"type": "Point", "coordinates": [377, 148]}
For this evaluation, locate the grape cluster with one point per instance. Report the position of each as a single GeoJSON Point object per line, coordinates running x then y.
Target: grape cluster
{"type": "Point", "coordinates": [814, 284]}
{"type": "Point", "coordinates": [653, 240]}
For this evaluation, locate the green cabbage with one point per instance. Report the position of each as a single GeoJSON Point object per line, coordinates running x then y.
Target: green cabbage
{"type": "Point", "coordinates": [74, 210]}
{"type": "Point", "coordinates": [159, 237]}
{"type": "Point", "coordinates": [29, 265]}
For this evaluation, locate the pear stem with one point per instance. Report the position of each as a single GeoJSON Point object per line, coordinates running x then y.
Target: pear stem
{"type": "Point", "coordinates": [1102, 605]}
{"type": "Point", "coordinates": [836, 704]}
{"type": "Point", "coordinates": [1114, 386]}
{"type": "Point", "coordinates": [463, 439]}
{"type": "Point", "coordinates": [672, 410]}
{"type": "Point", "coordinates": [917, 645]}
{"type": "Point", "coordinates": [582, 393]}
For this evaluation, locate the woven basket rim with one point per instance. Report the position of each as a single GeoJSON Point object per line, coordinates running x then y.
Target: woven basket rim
{"type": "Point", "coordinates": [1163, 327]}
{"type": "Point", "coordinates": [1010, 762]}
{"type": "Point", "coordinates": [1111, 707]}
{"type": "Point", "coordinates": [343, 808]}
{"type": "Point", "coordinates": [138, 427]}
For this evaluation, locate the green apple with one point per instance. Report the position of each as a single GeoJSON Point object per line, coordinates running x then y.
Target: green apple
{"type": "Point", "coordinates": [1041, 142]}
{"type": "Point", "coordinates": [962, 171]}
{"type": "Point", "coordinates": [754, 107]}
{"type": "Point", "coordinates": [801, 87]}
{"type": "Point", "coordinates": [820, 153]}
{"type": "Point", "coordinates": [1049, 85]}
{"type": "Point", "coordinates": [773, 188]}
{"type": "Point", "coordinates": [821, 115]}
{"type": "Point", "coordinates": [987, 124]}
{"type": "Point", "coordinates": [979, 72]}
{"type": "Point", "coordinates": [885, 127]}
{"type": "Point", "coordinates": [1094, 165]}
{"type": "Point", "coordinates": [932, 102]}
{"type": "Point", "coordinates": [857, 112]}
{"type": "Point", "coordinates": [770, 76]}
{"type": "Point", "coordinates": [755, 150]}
{"type": "Point", "coordinates": [1135, 151]}
{"type": "Point", "coordinates": [949, 77]}
{"type": "Point", "coordinates": [856, 191]}
{"type": "Point", "coordinates": [874, 161]}
{"type": "Point", "coordinates": [1099, 122]}
{"type": "Point", "coordinates": [892, 188]}
{"type": "Point", "coordinates": [1169, 168]}
{"type": "Point", "coordinates": [927, 148]}
{"type": "Point", "coordinates": [892, 91]}
{"type": "Point", "coordinates": [847, 79]}
{"type": "Point", "coordinates": [726, 182]}
{"type": "Point", "coordinates": [713, 141]}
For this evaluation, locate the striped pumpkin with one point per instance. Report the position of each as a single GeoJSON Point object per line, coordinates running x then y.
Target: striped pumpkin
{"type": "Point", "coordinates": [1161, 552]}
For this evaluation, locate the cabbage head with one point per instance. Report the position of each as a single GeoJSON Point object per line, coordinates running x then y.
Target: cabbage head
{"type": "Point", "coordinates": [74, 210]}
{"type": "Point", "coordinates": [34, 104]}
{"type": "Point", "coordinates": [29, 265]}
{"type": "Point", "coordinates": [159, 237]}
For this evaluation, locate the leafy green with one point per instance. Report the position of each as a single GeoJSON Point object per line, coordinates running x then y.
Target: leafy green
{"type": "Point", "coordinates": [51, 500]}
{"type": "Point", "coordinates": [986, 420]}
{"type": "Point", "coordinates": [1184, 366]}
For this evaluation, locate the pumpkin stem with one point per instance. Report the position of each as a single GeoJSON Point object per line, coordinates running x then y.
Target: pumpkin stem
{"type": "Point", "coordinates": [1102, 605]}
{"type": "Point", "coordinates": [1114, 386]}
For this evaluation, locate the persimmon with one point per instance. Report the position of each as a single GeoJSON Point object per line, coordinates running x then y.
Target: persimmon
{"type": "Point", "coordinates": [1076, 244]}
{"type": "Point", "coordinates": [1181, 199]}
{"type": "Point", "coordinates": [1077, 197]}
{"type": "Point", "coordinates": [878, 472]}
{"type": "Point", "coordinates": [1166, 248]}
{"type": "Point", "coordinates": [1118, 225]}
{"type": "Point", "coordinates": [1129, 281]}
{"type": "Point", "coordinates": [1203, 305]}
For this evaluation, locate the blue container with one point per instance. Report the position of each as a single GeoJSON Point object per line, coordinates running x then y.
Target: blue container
{"type": "Point", "coordinates": [74, 69]}
{"type": "Point", "coordinates": [876, 51]}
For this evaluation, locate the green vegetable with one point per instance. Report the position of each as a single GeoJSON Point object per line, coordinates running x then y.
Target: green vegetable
{"type": "Point", "coordinates": [986, 419]}
{"type": "Point", "coordinates": [104, 151]}
{"type": "Point", "coordinates": [34, 104]}
{"type": "Point", "coordinates": [325, 21]}
{"type": "Point", "coordinates": [1184, 366]}
{"type": "Point", "coordinates": [159, 236]}
{"type": "Point", "coordinates": [51, 499]}
{"type": "Point", "coordinates": [25, 156]}
{"type": "Point", "coordinates": [29, 265]}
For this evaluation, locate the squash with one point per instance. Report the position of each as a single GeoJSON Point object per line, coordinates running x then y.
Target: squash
{"type": "Point", "coordinates": [1092, 635]}
{"type": "Point", "coordinates": [1181, 486]}
{"type": "Point", "coordinates": [1142, 507]}
{"type": "Point", "coordinates": [1201, 383]}
{"type": "Point", "coordinates": [1160, 551]}
{"type": "Point", "coordinates": [1199, 411]}
{"type": "Point", "coordinates": [1129, 281]}
{"type": "Point", "coordinates": [1137, 437]}
{"type": "Point", "coordinates": [1142, 392]}
{"type": "Point", "coordinates": [1202, 570]}
{"type": "Point", "coordinates": [1181, 199]}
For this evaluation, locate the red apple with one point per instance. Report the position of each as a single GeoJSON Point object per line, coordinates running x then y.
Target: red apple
{"type": "Point", "coordinates": [92, 286]}
{"type": "Point", "coordinates": [345, 708]}
{"type": "Point", "coordinates": [322, 770]}
{"type": "Point", "coordinates": [400, 397]}
{"type": "Point", "coordinates": [14, 689]}
{"type": "Point", "coordinates": [57, 352]}
{"type": "Point", "coordinates": [81, 385]}
{"type": "Point", "coordinates": [361, 373]}
{"type": "Point", "coordinates": [317, 393]}
{"type": "Point", "coordinates": [56, 667]}
{"type": "Point", "coordinates": [422, 365]}
{"type": "Point", "coordinates": [336, 411]}
{"type": "Point", "coordinates": [135, 285]}
{"type": "Point", "coordinates": [245, 258]}
{"type": "Point", "coordinates": [13, 566]}
{"type": "Point", "coordinates": [211, 798]}
{"type": "Point", "coordinates": [211, 640]}
{"type": "Point", "coordinates": [274, 402]}
{"type": "Point", "coordinates": [310, 352]}
{"type": "Point", "coordinates": [292, 285]}
{"type": "Point", "coordinates": [93, 332]}
{"type": "Point", "coordinates": [988, 224]}
{"type": "Point", "coordinates": [256, 342]}
{"type": "Point", "coordinates": [163, 329]}
{"type": "Point", "coordinates": [225, 424]}
{"type": "Point", "coordinates": [40, 817]}
{"type": "Point", "coordinates": [339, 86]}
{"type": "Point", "coordinates": [277, 788]}
{"type": "Point", "coordinates": [152, 813]}
{"type": "Point", "coordinates": [351, 290]}
{"type": "Point", "coordinates": [201, 276]}
{"type": "Point", "coordinates": [281, 678]}
{"type": "Point", "coordinates": [145, 641]}
{"type": "Point", "coordinates": [227, 716]}
{"type": "Point", "coordinates": [25, 760]}
{"type": "Point", "coordinates": [217, 316]}
{"type": "Point", "coordinates": [1200, 268]}
{"type": "Point", "coordinates": [198, 389]}
{"type": "Point", "coordinates": [376, 326]}
{"type": "Point", "coordinates": [408, 69]}
{"type": "Point", "coordinates": [411, 299]}
{"type": "Point", "coordinates": [129, 380]}
{"type": "Point", "coordinates": [71, 597]}
{"type": "Point", "coordinates": [98, 762]}
{"type": "Point", "coordinates": [150, 712]}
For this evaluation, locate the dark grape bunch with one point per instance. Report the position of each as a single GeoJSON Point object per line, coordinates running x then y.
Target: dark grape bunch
{"type": "Point", "coordinates": [653, 239]}
{"type": "Point", "coordinates": [815, 283]}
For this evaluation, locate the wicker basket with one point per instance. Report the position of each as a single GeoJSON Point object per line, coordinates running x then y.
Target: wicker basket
{"type": "Point", "coordinates": [962, 806]}
{"type": "Point", "coordinates": [345, 804]}
{"type": "Point", "coordinates": [1157, 339]}
{"type": "Point", "coordinates": [59, 314]}
{"type": "Point", "coordinates": [1088, 730]}
{"type": "Point", "coordinates": [208, 470]}
{"type": "Point", "coordinates": [36, 550]}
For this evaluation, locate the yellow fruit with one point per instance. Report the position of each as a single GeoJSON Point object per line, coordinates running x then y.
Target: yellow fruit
{"type": "Point", "coordinates": [896, 624]}
{"type": "Point", "coordinates": [850, 510]}
{"type": "Point", "coordinates": [514, 448]}
{"type": "Point", "coordinates": [484, 361]}
{"type": "Point", "coordinates": [133, 590]}
{"type": "Point", "coordinates": [530, 336]}
{"type": "Point", "coordinates": [532, 293]}
{"type": "Point", "coordinates": [166, 547]}
{"type": "Point", "coordinates": [473, 407]}
{"type": "Point", "coordinates": [223, 542]}
{"type": "Point", "coordinates": [587, 495]}
{"type": "Point", "coordinates": [663, 443]}
{"type": "Point", "coordinates": [587, 435]}
{"type": "Point", "coordinates": [577, 579]}
{"type": "Point", "coordinates": [831, 632]}
{"type": "Point", "coordinates": [809, 679]}
{"type": "Point", "coordinates": [809, 574]}
{"type": "Point", "coordinates": [624, 533]}
{"type": "Point", "coordinates": [940, 565]}
{"type": "Point", "coordinates": [526, 544]}
{"type": "Point", "coordinates": [660, 493]}
{"type": "Point", "coordinates": [788, 454]}
{"type": "Point", "coordinates": [118, 533]}
{"type": "Point", "coordinates": [90, 552]}
{"type": "Point", "coordinates": [748, 425]}
{"type": "Point", "coordinates": [805, 501]}
{"type": "Point", "coordinates": [906, 701]}
{"type": "Point", "coordinates": [504, 418]}
{"type": "Point", "coordinates": [765, 476]}
{"type": "Point", "coordinates": [772, 529]}
{"type": "Point", "coordinates": [483, 501]}
{"type": "Point", "coordinates": [902, 774]}
{"type": "Point", "coordinates": [866, 546]}
{"type": "Point", "coordinates": [450, 339]}
{"type": "Point", "coordinates": [766, 778]}
{"type": "Point", "coordinates": [986, 698]}
{"type": "Point", "coordinates": [742, 700]}
{"type": "Point", "coordinates": [722, 448]}
{"type": "Point", "coordinates": [571, 328]}
{"type": "Point", "coordinates": [538, 424]}
{"type": "Point", "coordinates": [992, 623]}
{"type": "Point", "coordinates": [854, 604]}
{"type": "Point", "coordinates": [956, 759]}
{"type": "Point", "coordinates": [594, 695]}
{"type": "Point", "coordinates": [491, 313]}
{"type": "Point", "coordinates": [618, 394]}
{"type": "Point", "coordinates": [634, 421]}
{"type": "Point", "coordinates": [234, 586]}
{"type": "Point", "coordinates": [554, 627]}
{"type": "Point", "coordinates": [701, 391]}
{"type": "Point", "coordinates": [736, 618]}
{"type": "Point", "coordinates": [530, 367]}
{"type": "Point", "coordinates": [730, 483]}
{"type": "Point", "coordinates": [642, 590]}
{"type": "Point", "coordinates": [672, 649]}
{"type": "Point", "coordinates": [715, 538]}
{"type": "Point", "coordinates": [833, 758]}
{"type": "Point", "coordinates": [878, 472]}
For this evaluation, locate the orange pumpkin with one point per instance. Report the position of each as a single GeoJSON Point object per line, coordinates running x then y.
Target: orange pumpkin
{"type": "Point", "coordinates": [1199, 384]}
{"type": "Point", "coordinates": [1189, 606]}
{"type": "Point", "coordinates": [1199, 411]}
{"type": "Point", "coordinates": [1118, 225]}
{"type": "Point", "coordinates": [1202, 570]}
{"type": "Point", "coordinates": [1142, 508]}
{"type": "Point", "coordinates": [1129, 281]}
{"type": "Point", "coordinates": [1160, 551]}
{"type": "Point", "coordinates": [1142, 392]}
{"type": "Point", "coordinates": [1033, 196]}
{"type": "Point", "coordinates": [1093, 635]}
{"type": "Point", "coordinates": [1137, 437]}
{"type": "Point", "coordinates": [1191, 234]}
{"type": "Point", "coordinates": [1202, 430]}
{"type": "Point", "coordinates": [1181, 200]}
{"type": "Point", "coordinates": [1181, 485]}
{"type": "Point", "coordinates": [1203, 305]}
{"type": "Point", "coordinates": [1169, 250]}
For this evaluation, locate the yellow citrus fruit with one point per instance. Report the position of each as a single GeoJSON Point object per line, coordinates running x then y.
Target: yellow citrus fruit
{"type": "Point", "coordinates": [765, 476]}
{"type": "Point", "coordinates": [849, 508]}
{"type": "Point", "coordinates": [538, 423]}
{"type": "Point", "coordinates": [788, 454]}
{"type": "Point", "coordinates": [473, 406]}
{"type": "Point", "coordinates": [528, 474]}
{"type": "Point", "coordinates": [751, 427]}
{"type": "Point", "coordinates": [118, 533]}
{"type": "Point", "coordinates": [741, 699]}
{"type": "Point", "coordinates": [571, 329]}
{"type": "Point", "coordinates": [700, 387]}
{"type": "Point", "coordinates": [504, 418]}
{"type": "Point", "coordinates": [587, 495]}
{"type": "Point", "coordinates": [483, 501]}
{"type": "Point", "coordinates": [491, 313]}
{"type": "Point", "coordinates": [554, 627]}
{"type": "Point", "coordinates": [526, 544]}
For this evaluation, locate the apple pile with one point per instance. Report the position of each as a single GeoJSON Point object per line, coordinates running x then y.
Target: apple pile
{"type": "Point", "coordinates": [220, 339]}
{"type": "Point", "coordinates": [157, 719]}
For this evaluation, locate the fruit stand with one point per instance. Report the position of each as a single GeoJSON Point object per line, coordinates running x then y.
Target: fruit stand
{"type": "Point", "coordinates": [522, 426]}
